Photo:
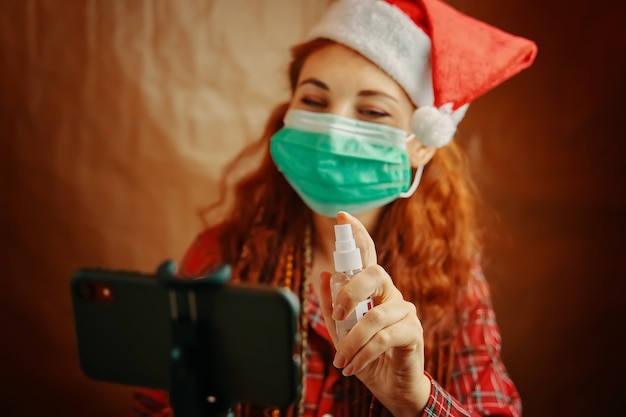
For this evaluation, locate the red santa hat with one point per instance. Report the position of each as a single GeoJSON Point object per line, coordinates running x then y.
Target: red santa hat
{"type": "Point", "coordinates": [441, 57]}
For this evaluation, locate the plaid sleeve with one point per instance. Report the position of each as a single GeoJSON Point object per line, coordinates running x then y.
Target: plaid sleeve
{"type": "Point", "coordinates": [441, 403]}
{"type": "Point", "coordinates": [479, 379]}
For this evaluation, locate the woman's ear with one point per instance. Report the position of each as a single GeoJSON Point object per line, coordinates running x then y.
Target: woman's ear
{"type": "Point", "coordinates": [419, 154]}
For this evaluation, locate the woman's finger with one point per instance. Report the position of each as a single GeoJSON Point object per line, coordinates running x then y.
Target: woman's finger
{"type": "Point", "coordinates": [327, 306]}
{"type": "Point", "coordinates": [403, 337]}
{"type": "Point", "coordinates": [367, 341]}
{"type": "Point", "coordinates": [372, 282]}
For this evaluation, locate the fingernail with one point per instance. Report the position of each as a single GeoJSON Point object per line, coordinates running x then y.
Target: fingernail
{"type": "Point", "coordinates": [348, 370]}
{"type": "Point", "coordinates": [338, 312]}
{"type": "Point", "coordinates": [340, 360]}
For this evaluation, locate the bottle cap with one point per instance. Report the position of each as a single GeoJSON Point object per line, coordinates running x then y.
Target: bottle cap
{"type": "Point", "coordinates": [347, 256]}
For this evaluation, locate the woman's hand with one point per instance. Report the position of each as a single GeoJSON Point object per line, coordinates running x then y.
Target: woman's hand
{"type": "Point", "coordinates": [385, 349]}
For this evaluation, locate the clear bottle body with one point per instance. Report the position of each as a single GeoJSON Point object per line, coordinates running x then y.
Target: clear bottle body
{"type": "Point", "coordinates": [336, 284]}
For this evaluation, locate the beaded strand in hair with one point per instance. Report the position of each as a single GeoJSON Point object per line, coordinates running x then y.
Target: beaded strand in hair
{"type": "Point", "coordinates": [298, 278]}
{"type": "Point", "coordinates": [306, 272]}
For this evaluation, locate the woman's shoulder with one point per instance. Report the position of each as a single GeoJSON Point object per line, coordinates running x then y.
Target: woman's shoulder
{"type": "Point", "coordinates": [202, 254]}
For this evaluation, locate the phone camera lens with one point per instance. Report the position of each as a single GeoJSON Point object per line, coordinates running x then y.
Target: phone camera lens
{"type": "Point", "coordinates": [105, 293]}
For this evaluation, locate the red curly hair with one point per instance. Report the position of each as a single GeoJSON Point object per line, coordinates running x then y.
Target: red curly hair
{"type": "Point", "coordinates": [427, 243]}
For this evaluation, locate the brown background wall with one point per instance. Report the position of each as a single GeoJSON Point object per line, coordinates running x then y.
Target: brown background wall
{"type": "Point", "coordinates": [115, 117]}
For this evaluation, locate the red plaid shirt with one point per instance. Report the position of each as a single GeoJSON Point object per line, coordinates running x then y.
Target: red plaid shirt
{"type": "Point", "coordinates": [480, 383]}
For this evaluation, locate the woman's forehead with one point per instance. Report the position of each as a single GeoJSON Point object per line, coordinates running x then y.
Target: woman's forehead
{"type": "Point", "coordinates": [338, 66]}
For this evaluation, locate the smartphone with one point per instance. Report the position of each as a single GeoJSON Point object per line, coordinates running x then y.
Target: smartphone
{"type": "Point", "coordinates": [127, 324]}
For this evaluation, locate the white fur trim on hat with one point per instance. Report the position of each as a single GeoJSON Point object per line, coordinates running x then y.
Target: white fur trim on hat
{"type": "Point", "coordinates": [387, 37]}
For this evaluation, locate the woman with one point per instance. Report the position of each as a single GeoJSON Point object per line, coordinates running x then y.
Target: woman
{"type": "Point", "coordinates": [377, 93]}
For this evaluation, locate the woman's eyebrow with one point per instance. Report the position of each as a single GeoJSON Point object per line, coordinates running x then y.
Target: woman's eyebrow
{"type": "Point", "coordinates": [363, 93]}
{"type": "Point", "coordinates": [370, 93]}
{"type": "Point", "coordinates": [315, 82]}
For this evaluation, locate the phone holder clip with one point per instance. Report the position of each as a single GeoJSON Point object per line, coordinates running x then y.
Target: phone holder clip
{"type": "Point", "coordinates": [192, 393]}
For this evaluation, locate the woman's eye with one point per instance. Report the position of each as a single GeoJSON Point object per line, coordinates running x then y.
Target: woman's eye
{"type": "Point", "coordinates": [312, 102]}
{"type": "Point", "coordinates": [373, 113]}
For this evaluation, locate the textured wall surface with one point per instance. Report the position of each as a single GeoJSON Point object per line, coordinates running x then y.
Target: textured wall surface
{"type": "Point", "coordinates": [116, 117]}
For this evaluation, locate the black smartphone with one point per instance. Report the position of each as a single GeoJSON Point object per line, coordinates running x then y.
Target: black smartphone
{"type": "Point", "coordinates": [127, 324]}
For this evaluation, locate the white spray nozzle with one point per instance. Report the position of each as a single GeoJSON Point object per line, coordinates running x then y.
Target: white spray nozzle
{"type": "Point", "coordinates": [347, 256]}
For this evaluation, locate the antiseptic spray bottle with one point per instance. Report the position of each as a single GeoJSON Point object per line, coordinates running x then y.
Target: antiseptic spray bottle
{"type": "Point", "coordinates": [348, 263]}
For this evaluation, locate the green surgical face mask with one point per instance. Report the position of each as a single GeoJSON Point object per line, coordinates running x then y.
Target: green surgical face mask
{"type": "Point", "coordinates": [337, 163]}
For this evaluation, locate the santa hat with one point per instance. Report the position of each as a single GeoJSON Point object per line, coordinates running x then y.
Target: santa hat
{"type": "Point", "coordinates": [441, 57]}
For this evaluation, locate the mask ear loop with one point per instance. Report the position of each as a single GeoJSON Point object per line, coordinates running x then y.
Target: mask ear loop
{"type": "Point", "coordinates": [415, 184]}
{"type": "Point", "coordinates": [418, 176]}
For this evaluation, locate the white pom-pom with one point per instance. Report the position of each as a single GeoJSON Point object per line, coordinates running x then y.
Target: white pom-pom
{"type": "Point", "coordinates": [433, 127]}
